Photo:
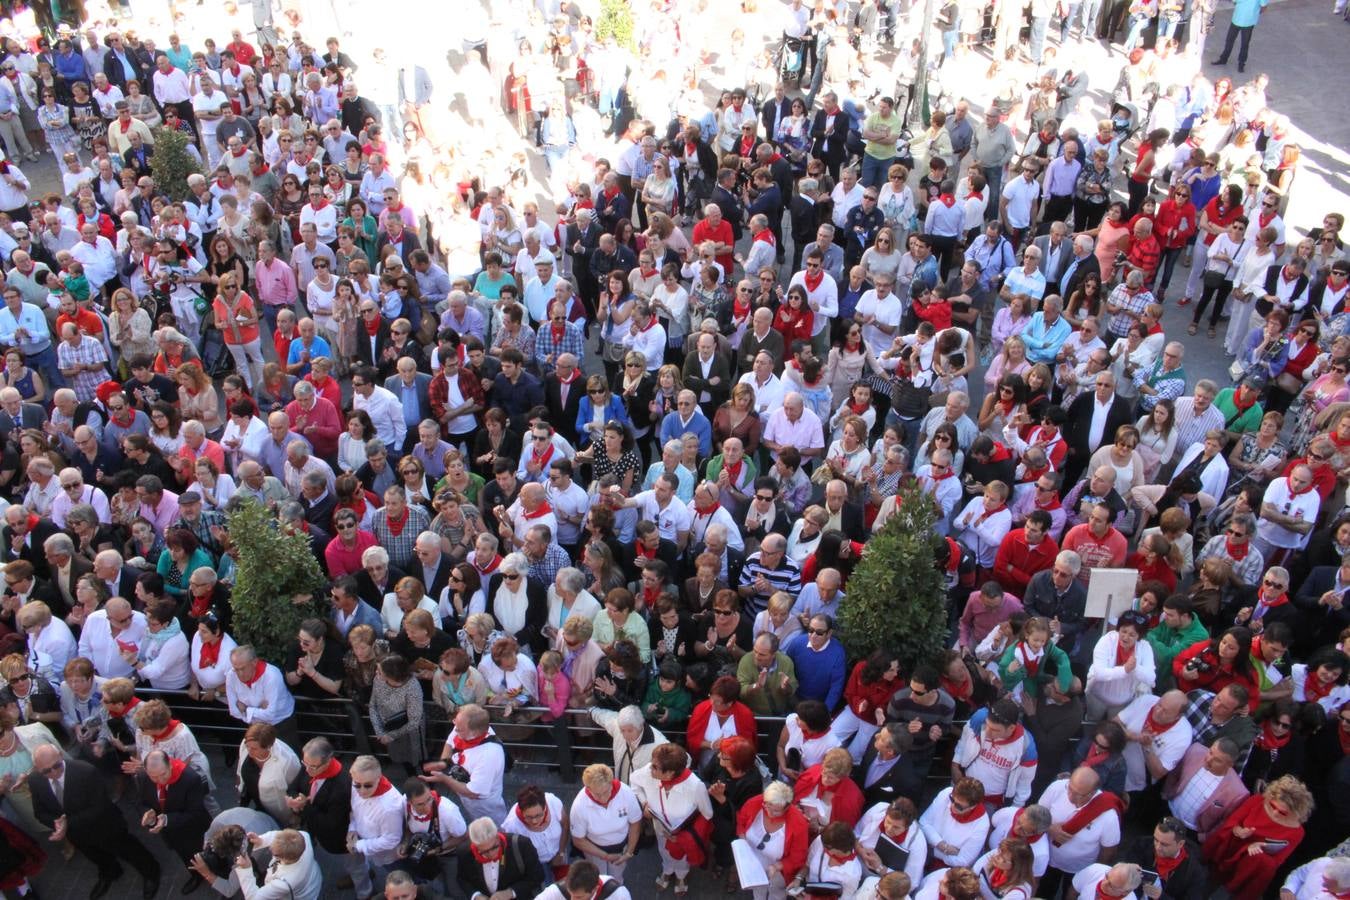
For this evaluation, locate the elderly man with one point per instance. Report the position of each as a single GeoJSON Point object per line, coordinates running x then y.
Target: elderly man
{"type": "Point", "coordinates": [471, 747]}
{"type": "Point", "coordinates": [74, 491]}
{"type": "Point", "coordinates": [106, 632]}
{"type": "Point", "coordinates": [66, 568]}
{"type": "Point", "coordinates": [768, 388]}
{"type": "Point", "coordinates": [762, 337]}
{"type": "Point", "coordinates": [768, 678]}
{"type": "Point", "coordinates": [1085, 824]}
{"type": "Point", "coordinates": [256, 484]}
{"type": "Point", "coordinates": [82, 360]}
{"type": "Point", "coordinates": [766, 572]}
{"type": "Point", "coordinates": [1080, 265]}
{"type": "Point", "coordinates": [1093, 419]}
{"type": "Point", "coordinates": [309, 345]}
{"type": "Point", "coordinates": [174, 799]}
{"type": "Point", "coordinates": [794, 426]}
{"type": "Point", "coordinates": [953, 412]}
{"type": "Point", "coordinates": [1320, 879]}
{"type": "Point", "coordinates": [375, 827]}
{"type": "Point", "coordinates": [256, 692]}
{"type": "Point", "coordinates": [1164, 380]}
{"type": "Point", "coordinates": [1205, 787]}
{"type": "Point", "coordinates": [462, 317]}
{"type": "Point", "coordinates": [299, 462]}
{"type": "Point", "coordinates": [1126, 303]}
{"type": "Point", "coordinates": [98, 256]}
{"type": "Point", "coordinates": [1157, 736]}
{"type": "Point", "coordinates": [1046, 332]}
{"type": "Point", "coordinates": [687, 418]}
{"type": "Point", "coordinates": [315, 419]}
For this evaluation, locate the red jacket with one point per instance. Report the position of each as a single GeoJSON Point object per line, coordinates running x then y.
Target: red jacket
{"type": "Point", "coordinates": [795, 841]}
{"type": "Point", "coordinates": [1017, 560]}
{"type": "Point", "coordinates": [702, 714]}
{"type": "Point", "coordinates": [939, 313]}
{"type": "Point", "coordinates": [1183, 219]}
{"type": "Point", "coordinates": [438, 392]}
{"type": "Point", "coordinates": [866, 697]}
{"type": "Point", "coordinates": [1159, 571]}
{"type": "Point", "coordinates": [1217, 678]}
{"type": "Point", "coordinates": [847, 804]}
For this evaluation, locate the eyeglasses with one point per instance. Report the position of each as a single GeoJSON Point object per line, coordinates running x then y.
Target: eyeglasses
{"type": "Point", "coordinates": [764, 498]}
{"type": "Point", "coordinates": [1237, 532]}
{"type": "Point", "coordinates": [512, 576]}
{"type": "Point", "coordinates": [364, 785]}
{"type": "Point", "coordinates": [540, 437]}
{"type": "Point", "coordinates": [19, 679]}
{"type": "Point", "coordinates": [1282, 725]}
{"type": "Point", "coordinates": [1269, 582]}
{"type": "Point", "coordinates": [1321, 457]}
{"type": "Point", "coordinates": [724, 612]}
{"type": "Point", "coordinates": [819, 632]}
{"type": "Point", "coordinates": [71, 487]}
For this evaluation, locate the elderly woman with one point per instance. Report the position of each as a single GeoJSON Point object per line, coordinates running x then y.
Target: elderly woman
{"type": "Point", "coordinates": [35, 698]}
{"type": "Point", "coordinates": [181, 557]}
{"type": "Point", "coordinates": [359, 665]}
{"type": "Point", "coordinates": [634, 739]}
{"type": "Point", "coordinates": [408, 594]}
{"type": "Point", "coordinates": [478, 635]}
{"type": "Point", "coordinates": [510, 677]}
{"type": "Point", "coordinates": [826, 794]}
{"type": "Point", "coordinates": [396, 712]}
{"type": "Point", "coordinates": [606, 820]}
{"type": "Point", "coordinates": [1257, 837]}
{"type": "Point", "coordinates": [543, 820]}
{"type": "Point", "coordinates": [157, 729]}
{"type": "Point", "coordinates": [457, 522]}
{"type": "Point", "coordinates": [266, 768]}
{"type": "Point", "coordinates": [518, 606]}
{"type": "Point", "coordinates": [50, 642]}
{"type": "Point", "coordinates": [422, 644]}
{"type": "Point", "coordinates": [456, 683]}
{"type": "Point", "coordinates": [581, 658]}
{"type": "Point", "coordinates": [17, 743]}
{"type": "Point", "coordinates": [778, 834]}
{"type": "Point", "coordinates": [680, 809]}
{"type": "Point", "coordinates": [91, 537]}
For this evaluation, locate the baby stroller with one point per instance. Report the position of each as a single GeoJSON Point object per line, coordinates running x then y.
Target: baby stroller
{"type": "Point", "coordinates": [1125, 121]}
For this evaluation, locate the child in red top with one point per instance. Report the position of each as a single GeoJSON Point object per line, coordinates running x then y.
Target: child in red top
{"type": "Point", "coordinates": [933, 306]}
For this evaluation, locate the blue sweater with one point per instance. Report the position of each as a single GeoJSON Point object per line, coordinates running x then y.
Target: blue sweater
{"type": "Point", "coordinates": [820, 674]}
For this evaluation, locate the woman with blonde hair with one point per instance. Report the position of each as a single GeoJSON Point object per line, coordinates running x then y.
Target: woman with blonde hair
{"type": "Point", "coordinates": [198, 398]}
{"type": "Point", "coordinates": [1257, 837]}
{"type": "Point", "coordinates": [237, 318]}
{"type": "Point", "coordinates": [130, 330]}
{"type": "Point", "coordinates": [1010, 358]}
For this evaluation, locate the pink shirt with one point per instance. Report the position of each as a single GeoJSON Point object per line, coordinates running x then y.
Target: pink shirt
{"type": "Point", "coordinates": [275, 283]}
{"type": "Point", "coordinates": [343, 560]}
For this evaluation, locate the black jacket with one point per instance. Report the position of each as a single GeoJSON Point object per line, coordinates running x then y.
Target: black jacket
{"type": "Point", "coordinates": [370, 593]}
{"type": "Point", "coordinates": [1188, 880]}
{"type": "Point", "coordinates": [830, 148]}
{"type": "Point", "coordinates": [326, 817]}
{"type": "Point", "coordinates": [563, 416]}
{"type": "Point", "coordinates": [519, 870]}
{"type": "Point", "coordinates": [899, 781]}
{"type": "Point", "coordinates": [409, 244]}
{"type": "Point", "coordinates": [1041, 600]}
{"type": "Point", "coordinates": [536, 612]}
{"type": "Point", "coordinates": [1080, 423]}
{"type": "Point", "coordinates": [184, 807]}
{"type": "Point", "coordinates": [731, 207]}
{"type": "Point", "coordinates": [32, 550]}
{"type": "Point", "coordinates": [89, 811]}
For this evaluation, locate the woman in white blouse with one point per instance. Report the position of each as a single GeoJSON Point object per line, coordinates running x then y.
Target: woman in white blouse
{"type": "Point", "coordinates": [672, 797]}
{"type": "Point", "coordinates": [210, 659]}
{"type": "Point", "coordinates": [832, 859]}
{"type": "Point", "coordinates": [510, 675]}
{"type": "Point", "coordinates": [408, 594]}
{"type": "Point", "coordinates": [898, 821]}
{"type": "Point", "coordinates": [277, 767]}
{"type": "Point", "coordinates": [1122, 668]}
{"type": "Point", "coordinates": [50, 642]}
{"type": "Point", "coordinates": [658, 189]}
{"type": "Point", "coordinates": [215, 487]}
{"type": "Point", "coordinates": [806, 532]}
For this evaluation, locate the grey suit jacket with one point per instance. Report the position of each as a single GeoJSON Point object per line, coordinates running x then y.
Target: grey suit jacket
{"type": "Point", "coordinates": [394, 385]}
{"type": "Point", "coordinates": [1042, 243]}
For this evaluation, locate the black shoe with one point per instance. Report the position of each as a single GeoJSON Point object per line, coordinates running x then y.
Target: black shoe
{"type": "Point", "coordinates": [194, 881]}
{"type": "Point", "coordinates": [1221, 61]}
{"type": "Point", "coordinates": [1242, 67]}
{"type": "Point", "coordinates": [150, 888]}
{"type": "Point", "coordinates": [101, 887]}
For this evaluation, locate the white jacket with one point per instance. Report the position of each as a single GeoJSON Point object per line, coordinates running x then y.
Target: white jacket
{"type": "Point", "coordinates": [1113, 684]}
{"type": "Point", "coordinates": [300, 880]}
{"type": "Point", "coordinates": [274, 780]}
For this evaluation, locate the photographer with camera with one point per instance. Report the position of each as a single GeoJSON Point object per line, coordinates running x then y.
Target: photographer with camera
{"type": "Point", "coordinates": [293, 875]}
{"type": "Point", "coordinates": [472, 764]}
{"type": "Point", "coordinates": [432, 830]}
{"type": "Point", "coordinates": [174, 276]}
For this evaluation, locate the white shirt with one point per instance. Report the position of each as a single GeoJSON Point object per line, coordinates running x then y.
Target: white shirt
{"type": "Point", "coordinates": [1000, 826]}
{"type": "Point", "coordinates": [324, 220]}
{"type": "Point", "coordinates": [670, 521]}
{"type": "Point", "coordinates": [485, 763]}
{"type": "Point", "coordinates": [392, 613]}
{"type": "Point", "coordinates": [1169, 746]}
{"type": "Point", "coordinates": [824, 300]}
{"type": "Point", "coordinates": [300, 880]}
{"type": "Point", "coordinates": [1089, 877]}
{"type": "Point", "coordinates": [887, 311]}
{"type": "Point", "coordinates": [54, 646]}
{"type": "Point", "coordinates": [650, 342]}
{"type": "Point", "coordinates": [1082, 848]}
{"type": "Point", "coordinates": [605, 825]}
{"type": "Point", "coordinates": [869, 832]}
{"type": "Point", "coordinates": [99, 260]}
{"type": "Point", "coordinates": [1021, 195]}
{"type": "Point", "coordinates": [939, 827]}
{"type": "Point", "coordinates": [819, 868]}
{"type": "Point", "coordinates": [269, 689]}
{"type": "Point", "coordinates": [386, 412]}
{"type": "Point", "coordinates": [98, 645]}
{"type": "Point", "coordinates": [1099, 414]}
{"type": "Point", "coordinates": [769, 395]}
{"type": "Point", "coordinates": [450, 823]}
{"type": "Point", "coordinates": [1113, 684]}
{"type": "Point", "coordinates": [844, 202]}
{"type": "Point", "coordinates": [571, 501]}
{"type": "Point", "coordinates": [377, 822]}
{"type": "Point", "coordinates": [1305, 507]}
{"type": "Point", "coordinates": [982, 537]}
{"type": "Point", "coordinates": [171, 86]}
{"type": "Point", "coordinates": [547, 842]}
{"type": "Point", "coordinates": [211, 677]}
{"type": "Point", "coordinates": [553, 892]}
{"type": "Point", "coordinates": [1187, 805]}
{"type": "Point", "coordinates": [166, 663]}
{"type": "Point", "coordinates": [1305, 882]}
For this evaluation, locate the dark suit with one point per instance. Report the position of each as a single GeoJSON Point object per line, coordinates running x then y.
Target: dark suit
{"type": "Point", "coordinates": [1087, 266]}
{"type": "Point", "coordinates": [1079, 424]}
{"type": "Point", "coordinates": [735, 562]}
{"type": "Point", "coordinates": [438, 580]}
{"type": "Point", "coordinates": [771, 113]}
{"type": "Point", "coordinates": [116, 72]}
{"type": "Point", "coordinates": [326, 816]}
{"type": "Point", "coordinates": [898, 781]}
{"type": "Point", "coordinates": [370, 592]}
{"type": "Point", "coordinates": [1319, 619]}
{"type": "Point", "coordinates": [409, 244]}
{"type": "Point", "coordinates": [1188, 880]}
{"type": "Point", "coordinates": [93, 823]}
{"type": "Point", "coordinates": [364, 355]}
{"type": "Point", "coordinates": [851, 521]}
{"type": "Point", "coordinates": [751, 345]}
{"type": "Point", "coordinates": [31, 415]}
{"type": "Point", "coordinates": [79, 567]}
{"type": "Point", "coordinates": [804, 219]}
{"type": "Point", "coordinates": [831, 148]}
{"type": "Point", "coordinates": [519, 870]}
{"type": "Point", "coordinates": [45, 591]}
{"type": "Point", "coordinates": [32, 550]}
{"type": "Point", "coordinates": [126, 583]}
{"type": "Point", "coordinates": [563, 416]}
{"type": "Point", "coordinates": [184, 807]}
{"type": "Point", "coordinates": [731, 208]}
{"type": "Point", "coordinates": [693, 379]}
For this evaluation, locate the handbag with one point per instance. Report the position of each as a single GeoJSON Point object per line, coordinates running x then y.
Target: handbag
{"type": "Point", "coordinates": [396, 721]}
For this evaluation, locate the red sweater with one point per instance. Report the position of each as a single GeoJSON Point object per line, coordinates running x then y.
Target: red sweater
{"type": "Point", "coordinates": [1217, 678]}
{"type": "Point", "coordinates": [939, 312]}
{"type": "Point", "coordinates": [866, 697]}
{"type": "Point", "coordinates": [1017, 560]}
{"type": "Point", "coordinates": [795, 841]}
{"type": "Point", "coordinates": [846, 804]}
{"type": "Point", "coordinates": [703, 713]}
{"type": "Point", "coordinates": [1159, 571]}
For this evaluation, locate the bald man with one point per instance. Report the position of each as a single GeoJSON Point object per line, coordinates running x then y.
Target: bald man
{"type": "Point", "coordinates": [71, 798]}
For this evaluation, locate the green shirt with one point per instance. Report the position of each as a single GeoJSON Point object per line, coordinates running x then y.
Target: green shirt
{"type": "Point", "coordinates": [772, 699]}
{"type": "Point", "coordinates": [876, 149]}
{"type": "Point", "coordinates": [677, 704]}
{"type": "Point", "coordinates": [1249, 420]}
{"type": "Point", "coordinates": [1167, 642]}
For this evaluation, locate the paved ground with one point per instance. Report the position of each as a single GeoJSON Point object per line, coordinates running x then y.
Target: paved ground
{"type": "Point", "coordinates": [1298, 42]}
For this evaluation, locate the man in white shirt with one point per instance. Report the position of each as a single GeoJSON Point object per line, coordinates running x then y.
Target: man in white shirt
{"type": "Point", "coordinates": [294, 874]}
{"type": "Point", "coordinates": [879, 312]}
{"type": "Point", "coordinates": [768, 387]}
{"type": "Point", "coordinates": [660, 506]}
{"type": "Point", "coordinates": [321, 214]}
{"type": "Point", "coordinates": [256, 692]}
{"type": "Point", "coordinates": [473, 747]}
{"type": "Point", "coordinates": [1321, 879]}
{"type": "Point", "coordinates": [73, 491]}
{"type": "Point", "coordinates": [569, 500]}
{"type": "Point", "coordinates": [374, 183]}
{"type": "Point", "coordinates": [1018, 202]}
{"type": "Point", "coordinates": [1118, 882]}
{"type": "Point", "coordinates": [1158, 735]}
{"type": "Point", "coordinates": [1086, 822]}
{"type": "Point", "coordinates": [376, 827]}
{"type": "Point", "coordinates": [384, 409]}
{"type": "Point", "coordinates": [171, 88]}
{"type": "Point", "coordinates": [646, 335]}
{"type": "Point", "coordinates": [97, 255]}
{"type": "Point", "coordinates": [207, 106]}
{"type": "Point", "coordinates": [107, 632]}
{"type": "Point", "coordinates": [1289, 511]}
{"type": "Point", "coordinates": [606, 820]}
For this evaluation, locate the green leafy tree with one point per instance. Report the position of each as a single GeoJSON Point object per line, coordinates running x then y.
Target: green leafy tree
{"type": "Point", "coordinates": [274, 570]}
{"type": "Point", "coordinates": [896, 596]}
{"type": "Point", "coordinates": [616, 21]}
{"type": "Point", "coordinates": [172, 163]}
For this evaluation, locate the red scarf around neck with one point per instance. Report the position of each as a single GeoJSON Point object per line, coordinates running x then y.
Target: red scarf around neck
{"type": "Point", "coordinates": [168, 730]}
{"type": "Point", "coordinates": [813, 279]}
{"type": "Point", "coordinates": [613, 795]}
{"type": "Point", "coordinates": [543, 508]}
{"type": "Point", "coordinates": [968, 816]}
{"type": "Point", "coordinates": [947, 200]}
{"type": "Point", "coordinates": [766, 235]}
{"type": "Point", "coordinates": [176, 769]}
{"type": "Point", "coordinates": [1236, 552]}
{"type": "Point", "coordinates": [496, 856]}
{"type": "Point", "coordinates": [1267, 739]}
{"type": "Point", "coordinates": [1103, 802]}
{"type": "Point", "coordinates": [210, 654]}
{"type": "Point", "coordinates": [1166, 866]}
{"type": "Point", "coordinates": [1153, 726]}
{"type": "Point", "coordinates": [259, 668]}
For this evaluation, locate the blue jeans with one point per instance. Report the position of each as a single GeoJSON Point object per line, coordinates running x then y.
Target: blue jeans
{"type": "Point", "coordinates": [949, 39]}
{"type": "Point", "coordinates": [1066, 23]}
{"type": "Point", "coordinates": [874, 170]}
{"type": "Point", "coordinates": [1039, 26]}
{"type": "Point", "coordinates": [45, 362]}
{"type": "Point", "coordinates": [1138, 24]}
{"type": "Point", "coordinates": [1091, 12]}
{"type": "Point", "coordinates": [993, 177]}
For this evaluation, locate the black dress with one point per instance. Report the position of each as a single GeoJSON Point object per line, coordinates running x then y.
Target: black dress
{"type": "Point", "coordinates": [740, 790]}
{"type": "Point", "coordinates": [440, 642]}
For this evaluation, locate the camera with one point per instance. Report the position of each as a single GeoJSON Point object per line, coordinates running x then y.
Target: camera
{"type": "Point", "coordinates": [1200, 666]}
{"type": "Point", "coordinates": [218, 864]}
{"type": "Point", "coordinates": [422, 845]}
{"type": "Point", "coordinates": [458, 773]}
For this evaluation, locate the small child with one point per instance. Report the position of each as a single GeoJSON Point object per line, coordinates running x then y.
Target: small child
{"type": "Point", "coordinates": [933, 306]}
{"type": "Point", "coordinates": [554, 687]}
{"type": "Point", "coordinates": [668, 703]}
{"type": "Point", "coordinates": [76, 284]}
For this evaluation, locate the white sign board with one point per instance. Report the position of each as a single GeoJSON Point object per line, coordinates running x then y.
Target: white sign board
{"type": "Point", "coordinates": [1110, 592]}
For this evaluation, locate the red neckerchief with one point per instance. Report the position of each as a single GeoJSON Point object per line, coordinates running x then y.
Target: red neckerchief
{"type": "Point", "coordinates": [105, 91]}
{"type": "Point", "coordinates": [1314, 689]}
{"type": "Point", "coordinates": [976, 195]}
{"type": "Point", "coordinates": [125, 126]}
{"type": "Point", "coordinates": [813, 279]}
{"type": "Point", "coordinates": [164, 735]}
{"type": "Point", "coordinates": [733, 470]}
{"type": "Point", "coordinates": [1165, 866]}
{"type": "Point", "coordinates": [811, 735]}
{"type": "Point", "coordinates": [259, 668]}
{"type": "Point", "coordinates": [1033, 665]}
{"type": "Point", "coordinates": [947, 200]}
{"type": "Point", "coordinates": [382, 788]}
{"type": "Point", "coordinates": [999, 453]}
{"type": "Point", "coordinates": [706, 510]}
{"type": "Point", "coordinates": [240, 152]}
{"type": "Point", "coordinates": [558, 331]}
{"type": "Point", "coordinates": [747, 144]}
{"type": "Point", "coordinates": [373, 326]}
{"type": "Point", "coordinates": [1270, 604]}
{"type": "Point", "coordinates": [1122, 654]}
{"type": "Point", "coordinates": [1012, 829]}
{"type": "Point", "coordinates": [1239, 405]}
{"type": "Point", "coordinates": [496, 855]}
{"type": "Point", "coordinates": [968, 816]}
{"type": "Point", "coordinates": [435, 808]}
{"type": "Point", "coordinates": [176, 769]}
{"type": "Point", "coordinates": [613, 793]}
{"type": "Point", "coordinates": [260, 169]}
{"type": "Point", "coordinates": [991, 512]}
{"type": "Point", "coordinates": [961, 691]}
{"type": "Point", "coordinates": [576, 373]}
{"type": "Point", "coordinates": [943, 477]}
{"type": "Point", "coordinates": [1267, 739]}
{"type": "Point", "coordinates": [1237, 552]}
{"type": "Point", "coordinates": [1053, 504]}
{"type": "Point", "coordinates": [543, 508]}
{"type": "Point", "coordinates": [1095, 757]}
{"type": "Point", "coordinates": [643, 553]}
{"type": "Point", "coordinates": [131, 704]}
{"type": "Point", "coordinates": [332, 770]}
{"type": "Point", "coordinates": [858, 408]}
{"type": "Point", "coordinates": [1103, 802]}
{"type": "Point", "coordinates": [321, 205]}
{"type": "Point", "coordinates": [610, 193]}
{"type": "Point", "coordinates": [997, 877]}
{"type": "Point", "coordinates": [200, 606]}
{"type": "Point", "coordinates": [690, 149]}
{"type": "Point", "coordinates": [521, 816]}
{"type": "Point", "coordinates": [460, 745]}
{"type": "Point", "coordinates": [396, 527]}
{"type": "Point", "coordinates": [210, 654]}
{"type": "Point", "coordinates": [1101, 891]}
{"type": "Point", "coordinates": [765, 235]}
{"type": "Point", "coordinates": [651, 594]}
{"type": "Point", "coordinates": [1265, 219]}
{"type": "Point", "coordinates": [649, 326]}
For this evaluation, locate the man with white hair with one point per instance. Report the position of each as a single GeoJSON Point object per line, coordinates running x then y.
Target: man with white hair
{"type": "Point", "coordinates": [543, 287]}
{"type": "Point", "coordinates": [255, 691]}
{"type": "Point", "coordinates": [96, 254]}
{"type": "Point", "coordinates": [1082, 264]}
{"type": "Point", "coordinates": [795, 426]}
{"type": "Point", "coordinates": [473, 748]}
{"type": "Point", "coordinates": [376, 826]}
{"type": "Point", "coordinates": [104, 634]}
{"type": "Point", "coordinates": [767, 386]}
{"type": "Point", "coordinates": [1118, 882]}
{"type": "Point", "coordinates": [706, 510]}
{"type": "Point", "coordinates": [73, 491]}
{"type": "Point", "coordinates": [462, 317]}
{"type": "Point", "coordinates": [1322, 879]}
{"type": "Point", "coordinates": [495, 866]}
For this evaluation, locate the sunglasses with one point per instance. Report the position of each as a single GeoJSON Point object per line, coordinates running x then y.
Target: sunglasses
{"type": "Point", "coordinates": [819, 632]}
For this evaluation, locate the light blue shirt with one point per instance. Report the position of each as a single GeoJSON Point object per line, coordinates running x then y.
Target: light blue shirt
{"type": "Point", "coordinates": [1017, 281]}
{"type": "Point", "coordinates": [1043, 341]}
{"type": "Point", "coordinates": [1246, 13]}
{"type": "Point", "coordinates": [685, 490]}
{"type": "Point", "coordinates": [318, 347]}
{"type": "Point", "coordinates": [31, 320]}
{"type": "Point", "coordinates": [408, 397]}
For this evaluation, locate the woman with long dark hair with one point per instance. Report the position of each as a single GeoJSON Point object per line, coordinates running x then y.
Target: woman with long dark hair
{"type": "Point", "coordinates": [1218, 662]}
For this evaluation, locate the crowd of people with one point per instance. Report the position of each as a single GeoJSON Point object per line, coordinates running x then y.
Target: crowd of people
{"type": "Point", "coordinates": [606, 466]}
